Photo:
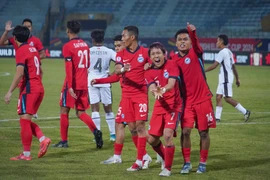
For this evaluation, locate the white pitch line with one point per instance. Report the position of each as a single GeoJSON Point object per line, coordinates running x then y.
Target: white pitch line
{"type": "Point", "coordinates": [4, 73]}
{"type": "Point", "coordinates": [79, 127]}
{"type": "Point", "coordinates": [71, 117]}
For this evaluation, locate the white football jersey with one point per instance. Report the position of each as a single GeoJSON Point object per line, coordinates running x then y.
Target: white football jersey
{"type": "Point", "coordinates": [100, 58]}
{"type": "Point", "coordinates": [225, 59]}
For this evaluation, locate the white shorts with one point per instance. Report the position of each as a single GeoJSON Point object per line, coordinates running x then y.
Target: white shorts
{"type": "Point", "coordinates": [225, 89]}
{"type": "Point", "coordinates": [100, 94]}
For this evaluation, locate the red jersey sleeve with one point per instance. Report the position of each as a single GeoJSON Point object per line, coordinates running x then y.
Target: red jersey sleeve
{"type": "Point", "coordinates": [38, 45]}
{"type": "Point", "coordinates": [11, 41]}
{"type": "Point", "coordinates": [148, 78]}
{"type": "Point", "coordinates": [111, 79]}
{"type": "Point", "coordinates": [174, 70]}
{"type": "Point", "coordinates": [68, 65]}
{"type": "Point", "coordinates": [195, 42]}
{"type": "Point", "coordinates": [119, 58]}
{"type": "Point", "coordinates": [20, 58]}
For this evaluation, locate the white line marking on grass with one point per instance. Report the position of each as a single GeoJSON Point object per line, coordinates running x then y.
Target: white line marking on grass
{"type": "Point", "coordinates": [71, 117]}
{"type": "Point", "coordinates": [4, 73]}
{"type": "Point", "coordinates": [79, 127]}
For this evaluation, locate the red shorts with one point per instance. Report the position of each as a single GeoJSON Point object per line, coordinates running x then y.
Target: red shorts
{"type": "Point", "coordinates": [133, 109]}
{"type": "Point", "coordinates": [159, 122]}
{"type": "Point", "coordinates": [201, 114]}
{"type": "Point", "coordinates": [81, 103]}
{"type": "Point", "coordinates": [29, 103]}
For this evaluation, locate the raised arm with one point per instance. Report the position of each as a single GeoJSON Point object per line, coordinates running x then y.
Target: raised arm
{"type": "Point", "coordinates": [194, 39]}
{"type": "Point", "coordinates": [4, 37]}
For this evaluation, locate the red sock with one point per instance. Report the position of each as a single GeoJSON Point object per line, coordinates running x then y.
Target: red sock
{"type": "Point", "coordinates": [64, 123]}
{"type": "Point", "coordinates": [88, 121]}
{"type": "Point", "coordinates": [160, 150]}
{"type": "Point", "coordinates": [36, 130]}
{"type": "Point", "coordinates": [135, 140]}
{"type": "Point", "coordinates": [186, 154]}
{"type": "Point", "coordinates": [204, 156]}
{"type": "Point", "coordinates": [26, 134]}
{"type": "Point", "coordinates": [141, 147]}
{"type": "Point", "coordinates": [118, 148]}
{"type": "Point", "coordinates": [169, 154]}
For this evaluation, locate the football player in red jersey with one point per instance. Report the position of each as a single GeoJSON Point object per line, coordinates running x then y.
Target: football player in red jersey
{"type": "Point", "coordinates": [31, 92]}
{"type": "Point", "coordinates": [198, 106]}
{"type": "Point", "coordinates": [120, 125]}
{"type": "Point", "coordinates": [75, 91]}
{"type": "Point", "coordinates": [133, 107]}
{"type": "Point", "coordinates": [163, 82]}
{"type": "Point", "coordinates": [32, 41]}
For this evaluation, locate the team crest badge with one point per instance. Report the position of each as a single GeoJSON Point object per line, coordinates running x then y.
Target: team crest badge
{"type": "Point", "coordinates": [31, 43]}
{"type": "Point", "coordinates": [187, 60]}
{"type": "Point", "coordinates": [118, 58]}
{"type": "Point", "coordinates": [122, 116]}
{"type": "Point", "coordinates": [166, 74]}
{"type": "Point", "coordinates": [140, 58]}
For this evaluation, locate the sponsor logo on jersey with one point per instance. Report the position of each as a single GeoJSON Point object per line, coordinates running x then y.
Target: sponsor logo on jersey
{"type": "Point", "coordinates": [140, 58]}
{"type": "Point", "coordinates": [118, 58]}
{"type": "Point", "coordinates": [31, 43]}
{"type": "Point", "coordinates": [166, 74]}
{"type": "Point", "coordinates": [187, 60]}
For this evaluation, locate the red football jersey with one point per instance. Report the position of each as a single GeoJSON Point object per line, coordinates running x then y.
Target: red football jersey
{"type": "Point", "coordinates": [76, 53]}
{"type": "Point", "coordinates": [28, 57]}
{"type": "Point", "coordinates": [194, 87]}
{"type": "Point", "coordinates": [133, 82]}
{"type": "Point", "coordinates": [160, 76]}
{"type": "Point", "coordinates": [32, 41]}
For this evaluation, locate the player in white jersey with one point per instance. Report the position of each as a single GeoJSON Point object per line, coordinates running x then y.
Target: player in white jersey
{"type": "Point", "coordinates": [226, 76]}
{"type": "Point", "coordinates": [100, 58]}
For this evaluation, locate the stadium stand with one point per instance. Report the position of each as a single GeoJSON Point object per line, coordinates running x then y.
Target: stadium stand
{"type": "Point", "coordinates": [17, 10]}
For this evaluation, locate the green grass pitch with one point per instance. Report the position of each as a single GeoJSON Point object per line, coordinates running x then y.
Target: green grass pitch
{"type": "Point", "coordinates": [238, 150]}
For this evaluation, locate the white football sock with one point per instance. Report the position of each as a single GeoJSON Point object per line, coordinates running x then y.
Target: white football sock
{"type": "Point", "coordinates": [26, 153]}
{"type": "Point", "coordinates": [218, 112]}
{"type": "Point", "coordinates": [111, 122]}
{"type": "Point", "coordinates": [241, 109]}
{"type": "Point", "coordinates": [42, 139]}
{"type": "Point", "coordinates": [96, 119]}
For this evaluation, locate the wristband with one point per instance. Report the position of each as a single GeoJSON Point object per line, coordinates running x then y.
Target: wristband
{"type": "Point", "coordinates": [163, 90]}
{"type": "Point", "coordinates": [122, 70]}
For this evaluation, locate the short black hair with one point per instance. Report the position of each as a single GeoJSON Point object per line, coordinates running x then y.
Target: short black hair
{"type": "Point", "coordinates": [74, 26]}
{"type": "Point", "coordinates": [27, 20]}
{"type": "Point", "coordinates": [180, 31]}
{"type": "Point", "coordinates": [117, 37]}
{"type": "Point", "coordinates": [21, 33]}
{"type": "Point", "coordinates": [224, 38]}
{"type": "Point", "coordinates": [98, 35]}
{"type": "Point", "coordinates": [157, 45]}
{"type": "Point", "coordinates": [133, 30]}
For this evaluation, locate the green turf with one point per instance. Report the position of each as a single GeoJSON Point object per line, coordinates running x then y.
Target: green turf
{"type": "Point", "coordinates": [238, 150]}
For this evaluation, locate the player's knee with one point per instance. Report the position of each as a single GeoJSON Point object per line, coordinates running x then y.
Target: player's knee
{"type": "Point", "coordinates": [133, 132]}
{"type": "Point", "coordinates": [153, 141]}
{"type": "Point", "coordinates": [79, 113]}
{"type": "Point", "coordinates": [186, 132]}
{"type": "Point", "coordinates": [204, 135]}
{"type": "Point", "coordinates": [95, 115]}
{"type": "Point", "coordinates": [110, 115]}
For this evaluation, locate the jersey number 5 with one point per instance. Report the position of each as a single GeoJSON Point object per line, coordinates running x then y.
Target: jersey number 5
{"type": "Point", "coordinates": [83, 58]}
